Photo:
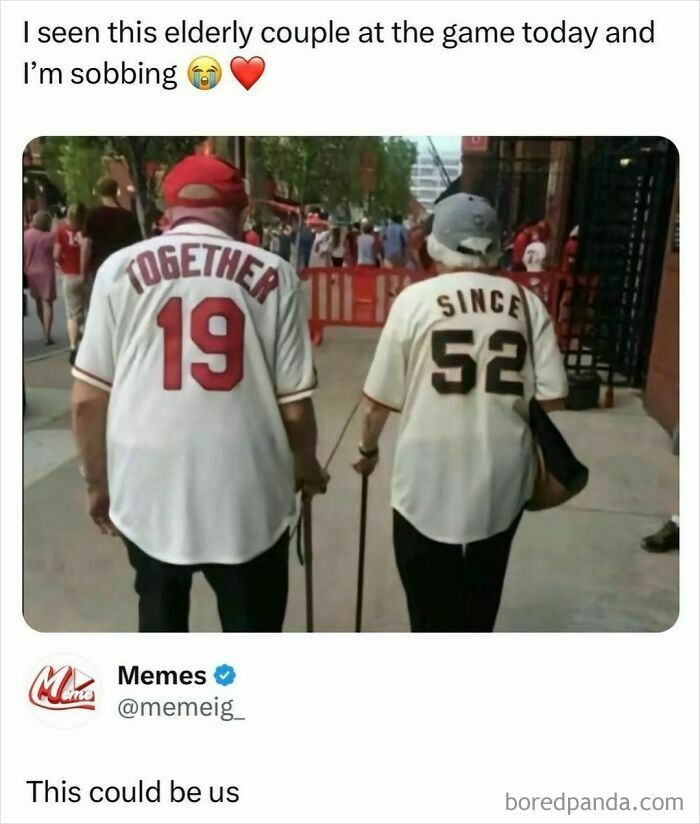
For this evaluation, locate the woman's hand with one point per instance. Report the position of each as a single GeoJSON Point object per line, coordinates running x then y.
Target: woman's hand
{"type": "Point", "coordinates": [367, 461]}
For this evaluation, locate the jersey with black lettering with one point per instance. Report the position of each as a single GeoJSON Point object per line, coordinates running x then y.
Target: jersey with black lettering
{"type": "Point", "coordinates": [199, 338]}
{"type": "Point", "coordinates": [453, 359]}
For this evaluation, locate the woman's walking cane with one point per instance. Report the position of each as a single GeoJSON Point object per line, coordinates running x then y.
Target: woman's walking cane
{"type": "Point", "coordinates": [361, 557]}
{"type": "Point", "coordinates": [308, 561]}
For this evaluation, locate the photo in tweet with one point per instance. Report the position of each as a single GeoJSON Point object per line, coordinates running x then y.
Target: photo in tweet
{"type": "Point", "coordinates": [359, 383]}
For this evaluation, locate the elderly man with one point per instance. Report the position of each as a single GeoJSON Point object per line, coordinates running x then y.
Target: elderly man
{"type": "Point", "coordinates": [192, 407]}
{"type": "Point", "coordinates": [453, 361]}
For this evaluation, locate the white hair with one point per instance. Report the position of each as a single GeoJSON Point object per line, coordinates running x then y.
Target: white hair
{"type": "Point", "coordinates": [458, 260]}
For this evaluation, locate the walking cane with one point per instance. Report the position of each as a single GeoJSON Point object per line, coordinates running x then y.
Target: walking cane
{"type": "Point", "coordinates": [308, 561]}
{"type": "Point", "coordinates": [361, 556]}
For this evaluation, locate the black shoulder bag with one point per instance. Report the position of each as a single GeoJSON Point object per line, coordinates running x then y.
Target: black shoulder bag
{"type": "Point", "coordinates": [560, 475]}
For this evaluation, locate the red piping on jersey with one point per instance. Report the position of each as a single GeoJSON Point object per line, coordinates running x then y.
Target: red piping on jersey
{"type": "Point", "coordinates": [90, 375]}
{"type": "Point", "coordinates": [298, 391]}
{"type": "Point", "coordinates": [379, 403]}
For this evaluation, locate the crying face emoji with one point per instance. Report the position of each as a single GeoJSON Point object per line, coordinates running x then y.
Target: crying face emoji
{"type": "Point", "coordinates": [204, 73]}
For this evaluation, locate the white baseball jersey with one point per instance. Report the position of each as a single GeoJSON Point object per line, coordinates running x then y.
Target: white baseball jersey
{"type": "Point", "coordinates": [198, 338]}
{"type": "Point", "coordinates": [534, 256]}
{"type": "Point", "coordinates": [453, 359]}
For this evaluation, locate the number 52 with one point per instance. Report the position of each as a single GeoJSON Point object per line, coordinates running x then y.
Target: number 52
{"type": "Point", "coordinates": [495, 383]}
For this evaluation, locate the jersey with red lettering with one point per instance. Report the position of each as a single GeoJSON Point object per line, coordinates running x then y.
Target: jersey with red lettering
{"type": "Point", "coordinates": [199, 338]}
{"type": "Point", "coordinates": [453, 359]}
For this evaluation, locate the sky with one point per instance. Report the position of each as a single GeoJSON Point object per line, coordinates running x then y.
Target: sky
{"type": "Point", "coordinates": [444, 144]}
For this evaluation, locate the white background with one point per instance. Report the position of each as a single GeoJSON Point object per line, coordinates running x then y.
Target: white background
{"type": "Point", "coordinates": [371, 727]}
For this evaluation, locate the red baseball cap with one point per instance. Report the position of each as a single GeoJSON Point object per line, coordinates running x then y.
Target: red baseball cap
{"type": "Point", "coordinates": [205, 170]}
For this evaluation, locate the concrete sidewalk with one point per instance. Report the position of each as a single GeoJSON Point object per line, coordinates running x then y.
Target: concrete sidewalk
{"type": "Point", "coordinates": [33, 333]}
{"type": "Point", "coordinates": [577, 568]}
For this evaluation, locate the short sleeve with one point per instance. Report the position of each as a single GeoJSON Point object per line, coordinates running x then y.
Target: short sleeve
{"type": "Point", "coordinates": [386, 380]}
{"type": "Point", "coordinates": [95, 361]}
{"type": "Point", "coordinates": [295, 377]}
{"type": "Point", "coordinates": [550, 374]}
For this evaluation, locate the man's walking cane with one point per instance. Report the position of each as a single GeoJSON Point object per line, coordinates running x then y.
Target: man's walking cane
{"type": "Point", "coordinates": [304, 535]}
{"type": "Point", "coordinates": [308, 560]}
{"type": "Point", "coordinates": [361, 556]}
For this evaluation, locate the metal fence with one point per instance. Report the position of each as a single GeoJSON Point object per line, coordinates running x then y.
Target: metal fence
{"type": "Point", "coordinates": [625, 197]}
{"type": "Point", "coordinates": [619, 192]}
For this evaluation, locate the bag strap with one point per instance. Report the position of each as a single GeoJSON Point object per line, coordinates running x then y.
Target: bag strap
{"type": "Point", "coordinates": [528, 323]}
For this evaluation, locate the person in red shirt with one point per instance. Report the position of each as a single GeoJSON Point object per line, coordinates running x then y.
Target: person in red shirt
{"type": "Point", "coordinates": [543, 231]}
{"type": "Point", "coordinates": [523, 238]}
{"type": "Point", "coordinates": [67, 251]}
{"type": "Point", "coordinates": [251, 237]}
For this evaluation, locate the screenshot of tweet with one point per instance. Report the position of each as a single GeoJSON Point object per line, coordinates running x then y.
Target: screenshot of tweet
{"type": "Point", "coordinates": [350, 400]}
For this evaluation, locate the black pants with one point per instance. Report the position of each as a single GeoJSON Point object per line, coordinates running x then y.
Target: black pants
{"type": "Point", "coordinates": [450, 588]}
{"type": "Point", "coordinates": [251, 597]}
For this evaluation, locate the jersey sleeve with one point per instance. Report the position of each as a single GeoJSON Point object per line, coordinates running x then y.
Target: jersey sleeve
{"type": "Point", "coordinates": [386, 380]}
{"type": "Point", "coordinates": [95, 361]}
{"type": "Point", "coordinates": [550, 374]}
{"type": "Point", "coordinates": [295, 376]}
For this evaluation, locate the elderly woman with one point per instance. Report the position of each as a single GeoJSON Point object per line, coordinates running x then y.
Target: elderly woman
{"type": "Point", "coordinates": [40, 269]}
{"type": "Point", "coordinates": [453, 361]}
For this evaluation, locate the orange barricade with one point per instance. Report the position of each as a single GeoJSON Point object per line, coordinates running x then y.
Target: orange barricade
{"type": "Point", "coordinates": [361, 296]}
{"type": "Point", "coordinates": [356, 296]}
{"type": "Point", "coordinates": [554, 290]}
{"type": "Point", "coordinates": [548, 286]}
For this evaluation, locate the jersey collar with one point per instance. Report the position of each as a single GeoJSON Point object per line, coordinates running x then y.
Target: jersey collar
{"type": "Point", "coordinates": [196, 226]}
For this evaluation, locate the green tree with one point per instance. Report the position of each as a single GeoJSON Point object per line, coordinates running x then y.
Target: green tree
{"type": "Point", "coordinates": [334, 170]}
{"type": "Point", "coordinates": [138, 151]}
{"type": "Point", "coordinates": [393, 192]}
{"type": "Point", "coordinates": [76, 163]}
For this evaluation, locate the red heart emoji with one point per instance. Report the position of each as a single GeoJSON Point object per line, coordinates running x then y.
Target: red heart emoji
{"type": "Point", "coordinates": [247, 72]}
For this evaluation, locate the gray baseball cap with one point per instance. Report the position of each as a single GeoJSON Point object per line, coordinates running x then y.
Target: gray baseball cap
{"type": "Point", "coordinates": [468, 224]}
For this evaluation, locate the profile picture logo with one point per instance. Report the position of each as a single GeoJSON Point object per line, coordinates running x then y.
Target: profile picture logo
{"type": "Point", "coordinates": [63, 692]}
{"type": "Point", "coordinates": [204, 73]}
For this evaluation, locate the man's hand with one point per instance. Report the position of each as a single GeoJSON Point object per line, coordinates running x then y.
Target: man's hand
{"type": "Point", "coordinates": [98, 508]}
{"type": "Point", "coordinates": [312, 478]}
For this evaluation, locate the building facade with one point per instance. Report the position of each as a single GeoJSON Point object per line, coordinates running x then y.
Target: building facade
{"type": "Point", "coordinates": [427, 177]}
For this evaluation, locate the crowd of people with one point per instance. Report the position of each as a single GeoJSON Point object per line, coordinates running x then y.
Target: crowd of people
{"type": "Point", "coordinates": [401, 243]}
{"type": "Point", "coordinates": [528, 248]}
{"type": "Point", "coordinates": [67, 251]}
{"type": "Point", "coordinates": [71, 250]}
{"type": "Point", "coordinates": [325, 242]}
